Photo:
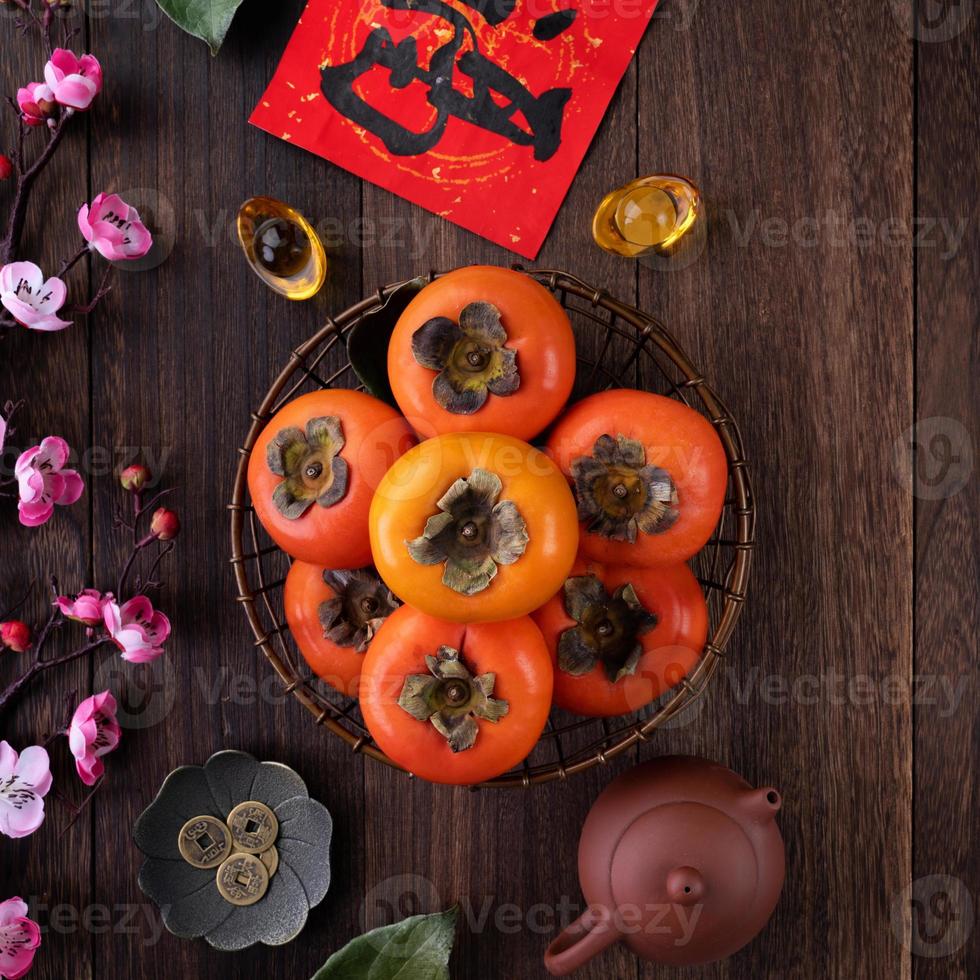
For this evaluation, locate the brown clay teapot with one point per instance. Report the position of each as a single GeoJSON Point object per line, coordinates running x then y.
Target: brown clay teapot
{"type": "Point", "coordinates": [680, 859]}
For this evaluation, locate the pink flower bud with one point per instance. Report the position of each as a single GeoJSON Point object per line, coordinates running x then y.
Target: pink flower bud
{"type": "Point", "coordinates": [134, 478]}
{"type": "Point", "coordinates": [6, 167]}
{"type": "Point", "coordinates": [165, 524]}
{"type": "Point", "coordinates": [15, 635]}
{"type": "Point", "coordinates": [37, 104]}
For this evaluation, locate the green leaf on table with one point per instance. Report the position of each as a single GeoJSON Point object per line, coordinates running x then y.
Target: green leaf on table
{"type": "Point", "coordinates": [367, 345]}
{"type": "Point", "coordinates": [207, 19]}
{"type": "Point", "coordinates": [417, 948]}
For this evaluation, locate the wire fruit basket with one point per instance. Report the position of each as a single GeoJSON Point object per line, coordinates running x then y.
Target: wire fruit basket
{"type": "Point", "coordinates": [620, 347]}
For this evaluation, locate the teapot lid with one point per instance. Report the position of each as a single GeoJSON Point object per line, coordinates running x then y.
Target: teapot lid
{"type": "Point", "coordinates": [684, 870]}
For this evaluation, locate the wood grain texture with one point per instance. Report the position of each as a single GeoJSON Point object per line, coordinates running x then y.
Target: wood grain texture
{"type": "Point", "coordinates": [787, 311]}
{"type": "Point", "coordinates": [944, 483]}
{"type": "Point", "coordinates": [799, 125]}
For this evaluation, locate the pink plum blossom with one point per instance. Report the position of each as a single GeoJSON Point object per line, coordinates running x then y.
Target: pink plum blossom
{"type": "Point", "coordinates": [24, 782]}
{"type": "Point", "coordinates": [74, 81]}
{"type": "Point", "coordinates": [37, 104]}
{"type": "Point", "coordinates": [137, 629]}
{"type": "Point", "coordinates": [19, 939]}
{"type": "Point", "coordinates": [87, 607]}
{"type": "Point", "coordinates": [93, 733]}
{"type": "Point", "coordinates": [31, 300]}
{"type": "Point", "coordinates": [44, 482]}
{"type": "Point", "coordinates": [113, 229]}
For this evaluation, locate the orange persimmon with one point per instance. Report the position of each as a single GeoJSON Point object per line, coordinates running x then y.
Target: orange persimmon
{"type": "Point", "coordinates": [333, 617]}
{"type": "Point", "coordinates": [454, 703]}
{"type": "Point", "coordinates": [474, 527]}
{"type": "Point", "coordinates": [482, 349]}
{"type": "Point", "coordinates": [314, 470]}
{"type": "Point", "coordinates": [649, 476]}
{"type": "Point", "coordinates": [620, 635]}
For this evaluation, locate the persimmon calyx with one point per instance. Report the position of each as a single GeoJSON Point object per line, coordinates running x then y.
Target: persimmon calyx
{"type": "Point", "coordinates": [472, 533]}
{"type": "Point", "coordinates": [470, 356]}
{"type": "Point", "coordinates": [607, 631]}
{"type": "Point", "coordinates": [619, 495]}
{"type": "Point", "coordinates": [452, 699]}
{"type": "Point", "coordinates": [361, 603]}
{"type": "Point", "coordinates": [311, 466]}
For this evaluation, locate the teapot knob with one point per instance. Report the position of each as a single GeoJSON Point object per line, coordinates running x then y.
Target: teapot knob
{"type": "Point", "coordinates": [685, 886]}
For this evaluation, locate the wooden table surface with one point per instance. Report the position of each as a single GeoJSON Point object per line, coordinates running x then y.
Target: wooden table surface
{"type": "Point", "coordinates": [836, 309]}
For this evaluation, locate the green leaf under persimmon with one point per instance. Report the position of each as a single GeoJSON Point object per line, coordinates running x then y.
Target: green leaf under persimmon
{"type": "Point", "coordinates": [208, 20]}
{"type": "Point", "coordinates": [417, 948]}
{"type": "Point", "coordinates": [367, 345]}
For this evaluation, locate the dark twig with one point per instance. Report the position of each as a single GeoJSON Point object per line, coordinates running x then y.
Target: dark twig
{"type": "Point", "coordinates": [81, 806]}
{"type": "Point", "coordinates": [25, 184]}
{"type": "Point", "coordinates": [155, 499]}
{"type": "Point", "coordinates": [39, 667]}
{"type": "Point", "coordinates": [69, 264]}
{"type": "Point", "coordinates": [19, 604]}
{"type": "Point", "coordinates": [145, 586]}
{"type": "Point", "coordinates": [100, 294]}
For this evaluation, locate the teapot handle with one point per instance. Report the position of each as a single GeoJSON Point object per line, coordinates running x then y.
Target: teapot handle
{"type": "Point", "coordinates": [585, 938]}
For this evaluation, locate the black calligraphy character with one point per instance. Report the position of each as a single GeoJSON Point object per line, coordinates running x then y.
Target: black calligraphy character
{"type": "Point", "coordinates": [543, 114]}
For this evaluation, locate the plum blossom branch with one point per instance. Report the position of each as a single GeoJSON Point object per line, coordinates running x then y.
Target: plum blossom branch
{"type": "Point", "coordinates": [26, 177]}
{"type": "Point", "coordinates": [45, 20]}
{"type": "Point", "coordinates": [109, 226]}
{"type": "Point", "coordinates": [133, 626]}
{"type": "Point", "coordinates": [105, 287]}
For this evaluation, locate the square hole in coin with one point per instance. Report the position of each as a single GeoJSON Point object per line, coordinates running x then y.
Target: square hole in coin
{"type": "Point", "coordinates": [205, 842]}
{"type": "Point", "coordinates": [252, 826]}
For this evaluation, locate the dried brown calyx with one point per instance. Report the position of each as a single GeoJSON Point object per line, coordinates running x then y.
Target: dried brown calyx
{"type": "Point", "coordinates": [362, 602]}
{"type": "Point", "coordinates": [470, 356]}
{"type": "Point", "coordinates": [452, 699]}
{"type": "Point", "coordinates": [619, 495]}
{"type": "Point", "coordinates": [472, 534]}
{"type": "Point", "coordinates": [311, 465]}
{"type": "Point", "coordinates": [608, 629]}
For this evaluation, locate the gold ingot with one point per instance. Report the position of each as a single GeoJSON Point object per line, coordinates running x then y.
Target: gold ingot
{"type": "Point", "coordinates": [204, 842]}
{"type": "Point", "coordinates": [270, 859]}
{"type": "Point", "coordinates": [647, 216]}
{"type": "Point", "coordinates": [242, 880]}
{"type": "Point", "coordinates": [254, 827]}
{"type": "Point", "coordinates": [282, 248]}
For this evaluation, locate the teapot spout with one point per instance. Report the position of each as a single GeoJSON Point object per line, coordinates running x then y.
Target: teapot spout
{"type": "Point", "coordinates": [761, 804]}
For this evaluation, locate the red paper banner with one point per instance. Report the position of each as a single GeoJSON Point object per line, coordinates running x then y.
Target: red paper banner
{"type": "Point", "coordinates": [479, 110]}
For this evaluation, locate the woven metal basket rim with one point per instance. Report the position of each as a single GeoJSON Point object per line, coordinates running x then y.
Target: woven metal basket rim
{"type": "Point", "coordinates": [642, 330]}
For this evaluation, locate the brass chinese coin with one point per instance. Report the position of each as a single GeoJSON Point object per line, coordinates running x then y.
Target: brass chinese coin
{"type": "Point", "coordinates": [243, 879]}
{"type": "Point", "coordinates": [204, 842]}
{"type": "Point", "coordinates": [270, 859]}
{"type": "Point", "coordinates": [254, 827]}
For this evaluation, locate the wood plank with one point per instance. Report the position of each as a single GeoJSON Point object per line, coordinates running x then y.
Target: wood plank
{"type": "Point", "coordinates": [50, 869]}
{"type": "Point", "coordinates": [182, 355]}
{"type": "Point", "coordinates": [507, 856]}
{"type": "Point", "coordinates": [944, 484]}
{"type": "Point", "coordinates": [771, 110]}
